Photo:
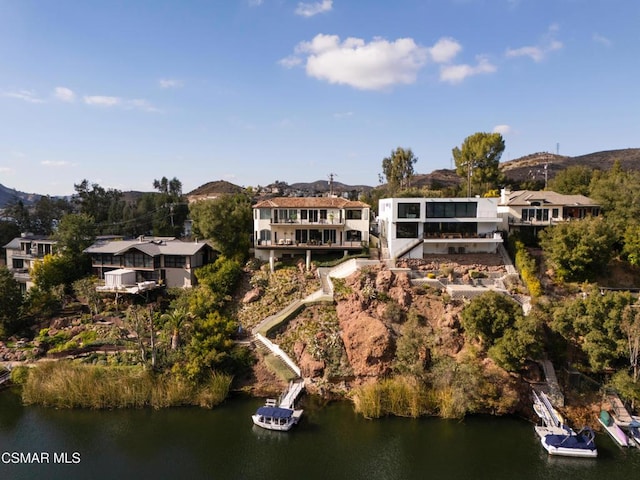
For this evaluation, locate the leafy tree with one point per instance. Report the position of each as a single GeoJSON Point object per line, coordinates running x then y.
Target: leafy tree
{"type": "Point", "coordinates": [594, 325]}
{"type": "Point", "coordinates": [171, 209]}
{"type": "Point", "coordinates": [10, 303]}
{"type": "Point", "coordinates": [578, 250]}
{"type": "Point", "coordinates": [19, 214]}
{"type": "Point", "coordinates": [398, 168]}
{"type": "Point", "coordinates": [227, 221]}
{"type": "Point", "coordinates": [105, 206]}
{"type": "Point", "coordinates": [478, 162]}
{"type": "Point", "coordinates": [54, 270]}
{"type": "Point", "coordinates": [631, 247]}
{"type": "Point", "coordinates": [618, 192]}
{"type": "Point", "coordinates": [630, 326]}
{"type": "Point", "coordinates": [85, 289]}
{"type": "Point", "coordinates": [47, 212]}
{"type": "Point", "coordinates": [509, 336]}
{"type": "Point", "coordinates": [75, 233]}
{"type": "Point", "coordinates": [8, 231]}
{"type": "Point", "coordinates": [573, 180]}
{"type": "Point", "coordinates": [210, 346]}
{"type": "Point", "coordinates": [489, 316]}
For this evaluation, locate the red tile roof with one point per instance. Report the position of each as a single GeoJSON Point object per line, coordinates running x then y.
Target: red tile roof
{"type": "Point", "coordinates": [309, 202]}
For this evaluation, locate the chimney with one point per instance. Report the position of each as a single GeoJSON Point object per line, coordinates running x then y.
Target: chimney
{"type": "Point", "coordinates": [504, 195]}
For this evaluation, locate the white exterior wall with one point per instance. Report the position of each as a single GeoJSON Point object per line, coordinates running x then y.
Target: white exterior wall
{"type": "Point", "coordinates": [178, 277]}
{"type": "Point", "coordinates": [487, 221]}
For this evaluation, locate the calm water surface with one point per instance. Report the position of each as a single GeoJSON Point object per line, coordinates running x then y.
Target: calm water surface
{"type": "Point", "coordinates": [330, 443]}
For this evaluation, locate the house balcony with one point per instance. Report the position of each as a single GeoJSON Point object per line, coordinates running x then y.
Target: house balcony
{"type": "Point", "coordinates": [336, 222]}
{"type": "Point", "coordinates": [440, 237]}
{"type": "Point", "coordinates": [288, 244]}
{"type": "Point", "coordinates": [515, 221]}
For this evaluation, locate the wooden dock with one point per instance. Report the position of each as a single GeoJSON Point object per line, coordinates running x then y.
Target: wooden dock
{"type": "Point", "coordinates": [288, 398]}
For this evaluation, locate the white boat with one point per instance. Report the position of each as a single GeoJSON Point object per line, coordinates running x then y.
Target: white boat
{"type": "Point", "coordinates": [613, 429]}
{"type": "Point", "coordinates": [634, 430]}
{"type": "Point", "coordinates": [276, 418]}
{"type": "Point", "coordinates": [563, 441]}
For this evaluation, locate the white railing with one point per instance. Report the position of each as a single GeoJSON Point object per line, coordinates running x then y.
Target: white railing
{"type": "Point", "coordinates": [277, 351]}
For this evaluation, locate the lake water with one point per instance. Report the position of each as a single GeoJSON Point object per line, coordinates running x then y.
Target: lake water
{"type": "Point", "coordinates": [331, 442]}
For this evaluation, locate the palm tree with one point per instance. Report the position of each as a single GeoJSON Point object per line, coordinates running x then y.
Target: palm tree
{"type": "Point", "coordinates": [176, 320]}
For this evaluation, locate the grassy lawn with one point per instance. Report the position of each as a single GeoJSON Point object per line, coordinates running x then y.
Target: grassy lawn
{"type": "Point", "coordinates": [277, 366]}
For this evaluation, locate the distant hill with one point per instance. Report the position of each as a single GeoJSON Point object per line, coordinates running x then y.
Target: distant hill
{"type": "Point", "coordinates": [532, 166]}
{"type": "Point", "coordinates": [8, 194]}
{"type": "Point", "coordinates": [323, 186]}
{"type": "Point", "coordinates": [215, 188]}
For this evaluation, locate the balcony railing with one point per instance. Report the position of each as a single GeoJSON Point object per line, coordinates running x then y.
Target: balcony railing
{"type": "Point", "coordinates": [288, 243]}
{"type": "Point", "coordinates": [463, 236]}
{"type": "Point", "coordinates": [298, 221]}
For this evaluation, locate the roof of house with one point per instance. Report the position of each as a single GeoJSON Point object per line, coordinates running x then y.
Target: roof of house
{"type": "Point", "coordinates": [151, 246]}
{"type": "Point", "coordinates": [310, 202]}
{"type": "Point", "coordinates": [15, 243]}
{"type": "Point", "coordinates": [526, 197]}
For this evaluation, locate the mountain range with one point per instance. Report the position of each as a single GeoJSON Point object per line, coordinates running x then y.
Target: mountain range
{"type": "Point", "coordinates": [535, 166]}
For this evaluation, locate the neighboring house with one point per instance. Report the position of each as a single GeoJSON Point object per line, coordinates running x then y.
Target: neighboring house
{"type": "Point", "coordinates": [22, 253]}
{"type": "Point", "coordinates": [413, 227]}
{"type": "Point", "coordinates": [533, 210]}
{"type": "Point", "coordinates": [163, 260]}
{"type": "Point", "coordinates": [292, 226]}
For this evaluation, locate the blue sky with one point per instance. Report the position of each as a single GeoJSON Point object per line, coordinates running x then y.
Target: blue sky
{"type": "Point", "coordinates": [251, 91]}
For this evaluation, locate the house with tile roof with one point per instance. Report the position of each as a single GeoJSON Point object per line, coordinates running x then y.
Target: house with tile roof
{"type": "Point", "coordinates": [414, 227]}
{"type": "Point", "coordinates": [302, 226]}
{"type": "Point", "coordinates": [161, 260]}
{"type": "Point", "coordinates": [532, 210]}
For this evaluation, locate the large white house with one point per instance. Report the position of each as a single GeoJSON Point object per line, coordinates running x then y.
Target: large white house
{"type": "Point", "coordinates": [293, 226]}
{"type": "Point", "coordinates": [413, 227]}
{"type": "Point", "coordinates": [163, 260]}
{"type": "Point", "coordinates": [23, 252]}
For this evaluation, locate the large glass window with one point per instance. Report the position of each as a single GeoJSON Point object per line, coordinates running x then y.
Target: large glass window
{"type": "Point", "coordinates": [451, 209]}
{"type": "Point", "coordinates": [354, 214]}
{"type": "Point", "coordinates": [407, 230]}
{"type": "Point", "coordinates": [175, 261]}
{"type": "Point", "coordinates": [408, 210]}
{"type": "Point", "coordinates": [354, 236]}
{"type": "Point", "coordinates": [265, 235]}
{"type": "Point", "coordinates": [265, 213]}
{"type": "Point", "coordinates": [138, 260]}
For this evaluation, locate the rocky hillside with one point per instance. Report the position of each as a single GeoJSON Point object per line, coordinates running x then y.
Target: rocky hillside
{"type": "Point", "coordinates": [380, 326]}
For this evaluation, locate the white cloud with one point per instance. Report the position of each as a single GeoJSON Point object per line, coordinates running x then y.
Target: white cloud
{"type": "Point", "coordinates": [7, 170]}
{"type": "Point", "coordinates": [311, 9]}
{"type": "Point", "coordinates": [290, 61]}
{"type": "Point", "coordinates": [444, 50]}
{"type": "Point", "coordinates": [376, 65]}
{"type": "Point", "coordinates": [602, 40]}
{"type": "Point", "coordinates": [25, 95]}
{"type": "Point", "coordinates": [170, 83]}
{"type": "Point", "coordinates": [538, 52]}
{"type": "Point", "coordinates": [457, 73]}
{"type": "Point", "coordinates": [64, 94]}
{"type": "Point", "coordinates": [343, 114]}
{"type": "Point", "coordinates": [141, 104]}
{"type": "Point", "coordinates": [55, 163]}
{"type": "Point", "coordinates": [255, 3]}
{"type": "Point", "coordinates": [502, 129]}
{"type": "Point", "coordinates": [101, 101]}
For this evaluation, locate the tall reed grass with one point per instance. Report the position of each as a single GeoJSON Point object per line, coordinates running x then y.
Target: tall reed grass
{"type": "Point", "coordinates": [72, 385]}
{"type": "Point", "coordinates": [401, 396]}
